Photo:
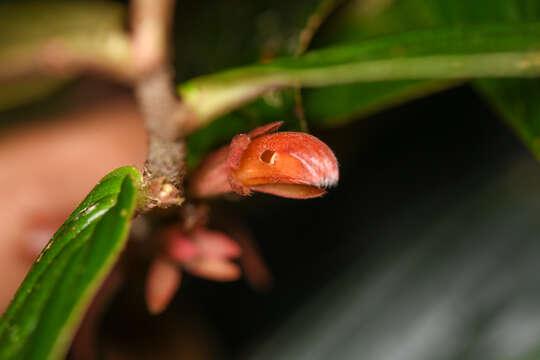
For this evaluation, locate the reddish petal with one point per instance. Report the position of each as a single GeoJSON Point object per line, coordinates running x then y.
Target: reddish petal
{"type": "Point", "coordinates": [214, 269]}
{"type": "Point", "coordinates": [265, 129]}
{"type": "Point", "coordinates": [212, 176]}
{"type": "Point", "coordinates": [288, 158]}
{"type": "Point", "coordinates": [181, 248]}
{"type": "Point", "coordinates": [162, 281]}
{"type": "Point", "coordinates": [214, 244]}
{"type": "Point", "coordinates": [292, 191]}
{"type": "Point", "coordinates": [238, 146]}
{"type": "Point", "coordinates": [255, 269]}
{"type": "Point", "coordinates": [240, 143]}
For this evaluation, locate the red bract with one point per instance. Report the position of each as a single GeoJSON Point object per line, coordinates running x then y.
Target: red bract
{"type": "Point", "coordinates": [289, 164]}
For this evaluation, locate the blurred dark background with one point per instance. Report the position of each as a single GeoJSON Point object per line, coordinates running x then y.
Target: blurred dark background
{"type": "Point", "coordinates": [437, 206]}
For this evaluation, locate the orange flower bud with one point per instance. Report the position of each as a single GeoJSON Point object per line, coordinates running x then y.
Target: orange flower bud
{"type": "Point", "coordinates": [289, 164]}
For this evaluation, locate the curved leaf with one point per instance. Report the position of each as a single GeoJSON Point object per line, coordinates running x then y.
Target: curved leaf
{"type": "Point", "coordinates": [47, 308]}
{"type": "Point", "coordinates": [514, 99]}
{"type": "Point", "coordinates": [220, 35]}
{"type": "Point", "coordinates": [361, 20]}
{"type": "Point", "coordinates": [507, 50]}
{"type": "Point", "coordinates": [517, 101]}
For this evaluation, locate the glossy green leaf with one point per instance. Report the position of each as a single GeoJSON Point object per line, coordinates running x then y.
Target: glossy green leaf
{"type": "Point", "coordinates": [46, 310]}
{"type": "Point", "coordinates": [448, 53]}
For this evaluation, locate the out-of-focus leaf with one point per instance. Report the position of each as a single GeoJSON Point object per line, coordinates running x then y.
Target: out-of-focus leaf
{"type": "Point", "coordinates": [447, 53]}
{"type": "Point", "coordinates": [219, 35]}
{"type": "Point", "coordinates": [21, 91]}
{"type": "Point", "coordinates": [517, 101]}
{"type": "Point", "coordinates": [59, 38]}
{"type": "Point", "coordinates": [46, 310]}
{"type": "Point", "coordinates": [361, 20]}
{"type": "Point", "coordinates": [336, 105]}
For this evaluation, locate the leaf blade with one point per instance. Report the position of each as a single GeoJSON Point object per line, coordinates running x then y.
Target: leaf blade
{"type": "Point", "coordinates": [36, 327]}
{"type": "Point", "coordinates": [368, 19]}
{"type": "Point", "coordinates": [453, 53]}
{"type": "Point", "coordinates": [516, 101]}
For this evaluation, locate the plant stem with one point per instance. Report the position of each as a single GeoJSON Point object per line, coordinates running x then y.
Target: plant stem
{"type": "Point", "coordinates": [165, 166]}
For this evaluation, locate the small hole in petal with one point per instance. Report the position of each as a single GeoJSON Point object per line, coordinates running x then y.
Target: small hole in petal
{"type": "Point", "coordinates": [268, 156]}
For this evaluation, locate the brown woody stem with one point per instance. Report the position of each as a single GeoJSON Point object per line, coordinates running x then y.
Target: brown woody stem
{"type": "Point", "coordinates": [165, 167]}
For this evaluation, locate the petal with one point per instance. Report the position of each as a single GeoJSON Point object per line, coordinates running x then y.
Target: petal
{"type": "Point", "coordinates": [292, 191]}
{"type": "Point", "coordinates": [180, 247]}
{"type": "Point", "coordinates": [265, 129]}
{"type": "Point", "coordinates": [287, 158]}
{"type": "Point", "coordinates": [162, 281]}
{"type": "Point", "coordinates": [215, 244]}
{"type": "Point", "coordinates": [212, 176]}
{"type": "Point", "coordinates": [240, 143]}
{"type": "Point", "coordinates": [214, 269]}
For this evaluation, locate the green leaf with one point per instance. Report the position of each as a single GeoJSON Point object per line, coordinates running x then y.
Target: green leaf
{"type": "Point", "coordinates": [337, 105]}
{"type": "Point", "coordinates": [38, 35]}
{"type": "Point", "coordinates": [46, 310]}
{"type": "Point", "coordinates": [514, 99]}
{"type": "Point", "coordinates": [448, 53]}
{"type": "Point", "coordinates": [517, 101]}
{"type": "Point", "coordinates": [260, 31]}
{"type": "Point", "coordinates": [361, 20]}
{"type": "Point", "coordinates": [23, 91]}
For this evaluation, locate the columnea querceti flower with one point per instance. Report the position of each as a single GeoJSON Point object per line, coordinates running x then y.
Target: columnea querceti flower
{"type": "Point", "coordinates": [289, 164]}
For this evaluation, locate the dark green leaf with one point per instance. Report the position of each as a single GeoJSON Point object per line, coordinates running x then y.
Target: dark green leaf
{"type": "Point", "coordinates": [336, 105]}
{"type": "Point", "coordinates": [361, 20]}
{"type": "Point", "coordinates": [47, 308]}
{"type": "Point", "coordinates": [219, 35]}
{"type": "Point", "coordinates": [448, 53]}
{"type": "Point", "coordinates": [517, 101]}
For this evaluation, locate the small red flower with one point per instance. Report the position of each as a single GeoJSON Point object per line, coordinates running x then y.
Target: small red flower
{"type": "Point", "coordinates": [289, 164]}
{"type": "Point", "coordinates": [204, 253]}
